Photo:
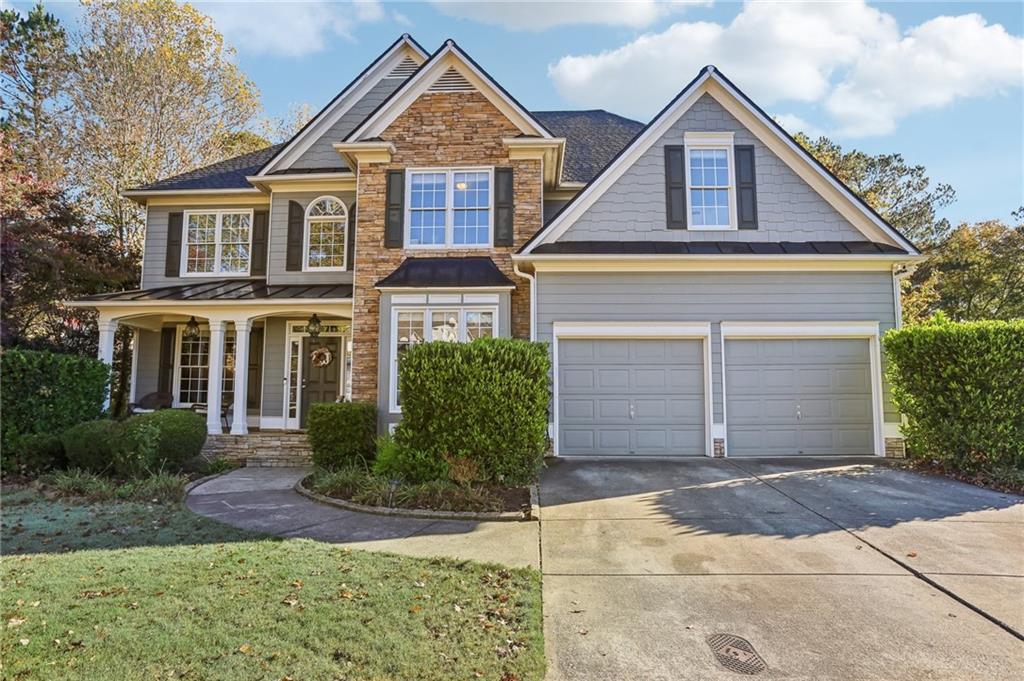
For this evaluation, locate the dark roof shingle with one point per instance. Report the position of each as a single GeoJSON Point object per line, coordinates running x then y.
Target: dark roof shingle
{"type": "Point", "coordinates": [227, 174]}
{"type": "Point", "coordinates": [592, 139]}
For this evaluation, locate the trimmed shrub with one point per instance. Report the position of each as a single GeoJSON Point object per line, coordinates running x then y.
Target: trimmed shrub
{"type": "Point", "coordinates": [38, 453]}
{"type": "Point", "coordinates": [402, 462]}
{"type": "Point", "coordinates": [162, 440]}
{"type": "Point", "coordinates": [341, 433]}
{"type": "Point", "coordinates": [961, 388]}
{"type": "Point", "coordinates": [89, 446]}
{"type": "Point", "coordinates": [480, 407]}
{"type": "Point", "coordinates": [46, 392]}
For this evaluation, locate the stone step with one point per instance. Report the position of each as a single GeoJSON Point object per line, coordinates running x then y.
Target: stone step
{"type": "Point", "coordinates": [260, 448]}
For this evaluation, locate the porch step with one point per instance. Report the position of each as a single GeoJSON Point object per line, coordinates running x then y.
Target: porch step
{"type": "Point", "coordinates": [261, 449]}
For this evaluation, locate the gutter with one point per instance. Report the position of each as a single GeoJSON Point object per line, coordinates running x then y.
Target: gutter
{"type": "Point", "coordinates": [533, 297]}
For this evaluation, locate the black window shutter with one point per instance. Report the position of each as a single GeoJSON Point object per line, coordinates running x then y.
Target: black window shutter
{"type": "Point", "coordinates": [296, 227]}
{"type": "Point", "coordinates": [746, 187]}
{"type": "Point", "coordinates": [350, 239]}
{"type": "Point", "coordinates": [259, 243]}
{"type": "Point", "coordinates": [675, 186]}
{"type": "Point", "coordinates": [394, 218]}
{"type": "Point", "coordinates": [166, 370]}
{"type": "Point", "coordinates": [504, 206]}
{"type": "Point", "coordinates": [172, 265]}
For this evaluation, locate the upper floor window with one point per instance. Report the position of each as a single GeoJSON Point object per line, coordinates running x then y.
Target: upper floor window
{"type": "Point", "coordinates": [449, 207]}
{"type": "Point", "coordinates": [217, 242]}
{"type": "Point", "coordinates": [709, 181]}
{"type": "Point", "coordinates": [326, 232]}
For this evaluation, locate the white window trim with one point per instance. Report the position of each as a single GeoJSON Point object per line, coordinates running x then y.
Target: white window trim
{"type": "Point", "coordinates": [393, 406]}
{"type": "Point", "coordinates": [220, 213]}
{"type": "Point", "coordinates": [306, 267]}
{"type": "Point", "coordinates": [712, 140]}
{"type": "Point", "coordinates": [449, 213]}
{"type": "Point", "coordinates": [179, 338]}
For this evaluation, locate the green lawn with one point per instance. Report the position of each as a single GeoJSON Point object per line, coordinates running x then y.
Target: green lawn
{"type": "Point", "coordinates": [188, 598]}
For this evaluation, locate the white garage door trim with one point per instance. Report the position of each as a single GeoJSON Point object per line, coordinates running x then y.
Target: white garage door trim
{"type": "Point", "coordinates": [789, 330]}
{"type": "Point", "coordinates": [635, 330]}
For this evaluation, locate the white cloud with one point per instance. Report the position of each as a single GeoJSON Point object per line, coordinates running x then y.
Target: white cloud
{"type": "Point", "coordinates": [291, 28]}
{"type": "Point", "coordinates": [794, 124]}
{"type": "Point", "coordinates": [849, 56]}
{"type": "Point", "coordinates": [539, 16]}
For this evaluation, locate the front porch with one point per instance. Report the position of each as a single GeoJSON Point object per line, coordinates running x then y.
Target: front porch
{"type": "Point", "coordinates": [252, 362]}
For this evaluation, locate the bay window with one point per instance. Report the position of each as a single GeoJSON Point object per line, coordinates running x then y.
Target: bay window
{"type": "Point", "coordinates": [217, 242]}
{"type": "Point", "coordinates": [411, 326]}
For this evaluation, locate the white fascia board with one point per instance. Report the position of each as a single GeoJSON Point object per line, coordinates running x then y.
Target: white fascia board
{"type": "Point", "coordinates": [449, 55]}
{"type": "Point", "coordinates": [712, 257]}
{"type": "Point", "coordinates": [344, 101]}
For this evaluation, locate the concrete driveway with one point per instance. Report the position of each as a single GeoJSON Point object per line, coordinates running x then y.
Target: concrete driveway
{"type": "Point", "coordinates": [830, 569]}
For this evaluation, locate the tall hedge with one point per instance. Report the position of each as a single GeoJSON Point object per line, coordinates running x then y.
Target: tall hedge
{"type": "Point", "coordinates": [481, 407]}
{"type": "Point", "coordinates": [961, 388]}
{"type": "Point", "coordinates": [46, 392]}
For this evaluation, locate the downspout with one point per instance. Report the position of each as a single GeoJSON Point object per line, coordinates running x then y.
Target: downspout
{"type": "Point", "coordinates": [533, 298]}
{"type": "Point", "coordinates": [899, 273]}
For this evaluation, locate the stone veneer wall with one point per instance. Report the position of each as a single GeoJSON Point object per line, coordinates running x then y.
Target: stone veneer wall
{"type": "Point", "coordinates": [438, 130]}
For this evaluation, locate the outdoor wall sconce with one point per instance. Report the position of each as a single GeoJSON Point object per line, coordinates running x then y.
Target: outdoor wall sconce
{"type": "Point", "coordinates": [191, 330]}
{"type": "Point", "coordinates": [314, 327]}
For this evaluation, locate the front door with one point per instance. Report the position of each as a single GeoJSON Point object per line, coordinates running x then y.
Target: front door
{"type": "Point", "coordinates": [321, 372]}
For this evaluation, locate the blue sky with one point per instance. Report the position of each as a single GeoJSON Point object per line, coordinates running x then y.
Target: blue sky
{"type": "Point", "coordinates": [937, 82]}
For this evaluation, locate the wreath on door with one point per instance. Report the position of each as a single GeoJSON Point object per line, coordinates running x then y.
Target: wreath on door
{"type": "Point", "coordinates": [321, 357]}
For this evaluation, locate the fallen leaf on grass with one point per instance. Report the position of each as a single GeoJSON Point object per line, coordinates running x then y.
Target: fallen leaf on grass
{"type": "Point", "coordinates": [245, 649]}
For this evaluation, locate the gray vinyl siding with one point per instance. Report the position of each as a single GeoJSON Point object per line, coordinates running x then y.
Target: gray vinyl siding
{"type": "Point", "coordinates": [278, 239]}
{"type": "Point", "coordinates": [155, 245]}
{"type": "Point", "coordinates": [147, 363]}
{"type": "Point", "coordinates": [385, 417]}
{"type": "Point", "coordinates": [788, 209]}
{"type": "Point", "coordinates": [715, 297]}
{"type": "Point", "coordinates": [273, 367]}
{"type": "Point", "coordinates": [321, 153]}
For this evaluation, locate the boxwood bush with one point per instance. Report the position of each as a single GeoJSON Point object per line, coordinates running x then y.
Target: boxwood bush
{"type": "Point", "coordinates": [162, 440]}
{"type": "Point", "coordinates": [47, 392]}
{"type": "Point", "coordinates": [341, 433]}
{"type": "Point", "coordinates": [961, 388]}
{"type": "Point", "coordinates": [402, 462]}
{"type": "Point", "coordinates": [89, 446]}
{"type": "Point", "coordinates": [36, 453]}
{"type": "Point", "coordinates": [480, 407]}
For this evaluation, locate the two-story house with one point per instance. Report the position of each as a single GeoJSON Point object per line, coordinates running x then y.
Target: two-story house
{"type": "Point", "coordinates": [705, 286]}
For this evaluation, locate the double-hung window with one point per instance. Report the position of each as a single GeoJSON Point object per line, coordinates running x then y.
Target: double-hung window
{"type": "Point", "coordinates": [217, 242]}
{"type": "Point", "coordinates": [449, 208]}
{"type": "Point", "coordinates": [711, 192]}
{"type": "Point", "coordinates": [412, 326]}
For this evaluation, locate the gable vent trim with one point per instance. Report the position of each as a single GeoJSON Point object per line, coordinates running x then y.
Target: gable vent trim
{"type": "Point", "coordinates": [404, 69]}
{"type": "Point", "coordinates": [451, 81]}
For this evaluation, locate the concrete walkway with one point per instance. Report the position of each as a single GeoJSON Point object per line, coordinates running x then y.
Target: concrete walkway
{"type": "Point", "coordinates": [830, 569]}
{"type": "Point", "coordinates": [262, 499]}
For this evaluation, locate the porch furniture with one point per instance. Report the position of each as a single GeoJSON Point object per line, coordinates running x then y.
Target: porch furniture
{"type": "Point", "coordinates": [226, 408]}
{"type": "Point", "coordinates": [151, 402]}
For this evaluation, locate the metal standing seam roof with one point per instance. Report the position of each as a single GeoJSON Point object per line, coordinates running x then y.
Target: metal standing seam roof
{"type": "Point", "coordinates": [227, 290]}
{"type": "Point", "coordinates": [717, 248]}
{"type": "Point", "coordinates": [471, 272]}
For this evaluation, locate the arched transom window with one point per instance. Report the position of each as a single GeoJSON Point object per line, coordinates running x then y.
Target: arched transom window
{"type": "Point", "coordinates": [326, 229]}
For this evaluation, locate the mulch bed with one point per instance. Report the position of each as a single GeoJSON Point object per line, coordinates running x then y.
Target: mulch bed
{"type": "Point", "coordinates": [977, 479]}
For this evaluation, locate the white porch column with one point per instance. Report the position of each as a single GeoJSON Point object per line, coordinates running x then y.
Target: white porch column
{"type": "Point", "coordinates": [239, 425]}
{"type": "Point", "coordinates": [108, 328]}
{"type": "Point", "coordinates": [215, 380]}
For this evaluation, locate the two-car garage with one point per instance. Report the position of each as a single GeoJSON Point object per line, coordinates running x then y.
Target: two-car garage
{"type": "Point", "coordinates": [787, 390]}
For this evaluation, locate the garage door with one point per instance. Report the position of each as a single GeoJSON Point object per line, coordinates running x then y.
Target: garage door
{"type": "Point", "coordinates": [798, 397]}
{"type": "Point", "coordinates": [630, 397]}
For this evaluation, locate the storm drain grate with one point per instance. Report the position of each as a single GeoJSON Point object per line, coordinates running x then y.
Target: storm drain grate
{"type": "Point", "coordinates": [736, 654]}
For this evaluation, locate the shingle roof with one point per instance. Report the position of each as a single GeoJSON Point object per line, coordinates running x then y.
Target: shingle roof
{"type": "Point", "coordinates": [717, 248]}
{"type": "Point", "coordinates": [592, 138]}
{"type": "Point", "coordinates": [227, 174]}
{"type": "Point", "coordinates": [245, 289]}
{"type": "Point", "coordinates": [472, 272]}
